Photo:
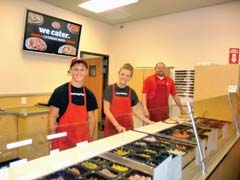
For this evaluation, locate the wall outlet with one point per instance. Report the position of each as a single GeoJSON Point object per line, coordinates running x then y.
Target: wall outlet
{"type": "Point", "coordinates": [23, 100]}
{"type": "Point", "coordinates": [232, 88]}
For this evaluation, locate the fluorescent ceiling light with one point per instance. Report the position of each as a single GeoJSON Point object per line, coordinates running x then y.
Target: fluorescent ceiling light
{"type": "Point", "coordinates": [98, 6]}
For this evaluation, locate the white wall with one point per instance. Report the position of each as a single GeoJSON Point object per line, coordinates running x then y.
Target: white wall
{"type": "Point", "coordinates": [180, 40]}
{"type": "Point", "coordinates": [27, 72]}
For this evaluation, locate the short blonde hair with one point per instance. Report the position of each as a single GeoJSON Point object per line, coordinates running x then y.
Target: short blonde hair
{"type": "Point", "coordinates": [160, 63]}
{"type": "Point", "coordinates": [127, 66]}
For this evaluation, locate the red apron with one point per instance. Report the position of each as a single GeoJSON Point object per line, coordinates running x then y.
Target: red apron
{"type": "Point", "coordinates": [74, 122]}
{"type": "Point", "coordinates": [122, 111]}
{"type": "Point", "coordinates": [158, 105]}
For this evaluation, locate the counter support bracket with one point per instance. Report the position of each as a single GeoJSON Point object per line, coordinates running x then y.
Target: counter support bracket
{"type": "Point", "coordinates": [190, 111]}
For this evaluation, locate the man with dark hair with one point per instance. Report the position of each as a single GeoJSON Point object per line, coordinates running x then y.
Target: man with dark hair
{"type": "Point", "coordinates": [72, 108]}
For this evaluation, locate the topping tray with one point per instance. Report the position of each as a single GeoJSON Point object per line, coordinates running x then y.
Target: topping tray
{"type": "Point", "coordinates": [60, 175]}
{"type": "Point", "coordinates": [210, 123]}
{"type": "Point", "coordinates": [184, 133]}
{"type": "Point", "coordinates": [153, 150]}
{"type": "Point", "coordinates": [136, 175]}
{"type": "Point", "coordinates": [95, 176]}
{"type": "Point", "coordinates": [96, 168]}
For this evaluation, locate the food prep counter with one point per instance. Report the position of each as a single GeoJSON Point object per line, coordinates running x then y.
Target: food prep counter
{"type": "Point", "coordinates": [58, 161]}
{"type": "Point", "coordinates": [223, 141]}
{"type": "Point", "coordinates": [124, 156]}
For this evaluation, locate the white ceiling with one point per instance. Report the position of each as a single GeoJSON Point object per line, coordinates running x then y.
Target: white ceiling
{"type": "Point", "coordinates": [141, 10]}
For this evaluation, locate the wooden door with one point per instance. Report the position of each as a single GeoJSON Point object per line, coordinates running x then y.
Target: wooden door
{"type": "Point", "coordinates": [136, 82]}
{"type": "Point", "coordinates": [94, 80]}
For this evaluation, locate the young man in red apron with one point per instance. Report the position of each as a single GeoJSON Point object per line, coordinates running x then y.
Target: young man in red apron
{"type": "Point", "coordinates": [155, 94]}
{"type": "Point", "coordinates": [71, 109]}
{"type": "Point", "coordinates": [120, 101]}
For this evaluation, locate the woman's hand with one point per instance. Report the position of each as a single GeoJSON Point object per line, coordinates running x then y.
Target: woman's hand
{"type": "Point", "coordinates": [146, 113]}
{"type": "Point", "coordinates": [120, 128]}
{"type": "Point", "coordinates": [148, 121]}
{"type": "Point", "coordinates": [151, 122]}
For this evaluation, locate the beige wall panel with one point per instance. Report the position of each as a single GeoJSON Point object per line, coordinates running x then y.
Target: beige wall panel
{"type": "Point", "coordinates": [212, 81]}
{"type": "Point", "coordinates": [216, 108]}
{"type": "Point", "coordinates": [15, 101]}
{"type": "Point", "coordinates": [136, 82]}
{"type": "Point", "coordinates": [211, 91]}
{"type": "Point", "coordinates": [148, 72]}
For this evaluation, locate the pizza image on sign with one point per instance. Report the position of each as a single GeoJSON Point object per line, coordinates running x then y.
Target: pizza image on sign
{"type": "Point", "coordinates": [74, 29]}
{"type": "Point", "coordinates": [67, 49]}
{"type": "Point", "coordinates": [34, 18]}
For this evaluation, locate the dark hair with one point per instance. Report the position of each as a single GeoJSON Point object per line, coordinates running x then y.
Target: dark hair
{"type": "Point", "coordinates": [78, 61]}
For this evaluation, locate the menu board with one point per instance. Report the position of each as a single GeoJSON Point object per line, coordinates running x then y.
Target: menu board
{"type": "Point", "coordinates": [52, 35]}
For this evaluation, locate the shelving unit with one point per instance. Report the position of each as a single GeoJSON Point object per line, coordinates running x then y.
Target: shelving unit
{"type": "Point", "coordinates": [184, 82]}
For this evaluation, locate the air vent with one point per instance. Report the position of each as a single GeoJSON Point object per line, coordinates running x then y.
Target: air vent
{"type": "Point", "coordinates": [184, 82]}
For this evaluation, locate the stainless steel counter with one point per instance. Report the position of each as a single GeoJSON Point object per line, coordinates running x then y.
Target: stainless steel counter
{"type": "Point", "coordinates": [25, 110]}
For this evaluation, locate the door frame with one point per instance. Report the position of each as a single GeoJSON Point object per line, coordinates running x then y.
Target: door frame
{"type": "Point", "coordinates": [105, 58]}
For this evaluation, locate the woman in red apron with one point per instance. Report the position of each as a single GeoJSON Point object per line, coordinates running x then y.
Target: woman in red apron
{"type": "Point", "coordinates": [120, 101]}
{"type": "Point", "coordinates": [122, 111]}
{"type": "Point", "coordinates": [72, 108]}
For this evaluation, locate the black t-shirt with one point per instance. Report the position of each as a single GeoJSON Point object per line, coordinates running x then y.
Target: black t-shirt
{"type": "Point", "coordinates": [107, 95]}
{"type": "Point", "coordinates": [60, 98]}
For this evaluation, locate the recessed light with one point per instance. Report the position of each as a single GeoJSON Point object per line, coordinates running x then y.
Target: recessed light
{"type": "Point", "coordinates": [98, 6]}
